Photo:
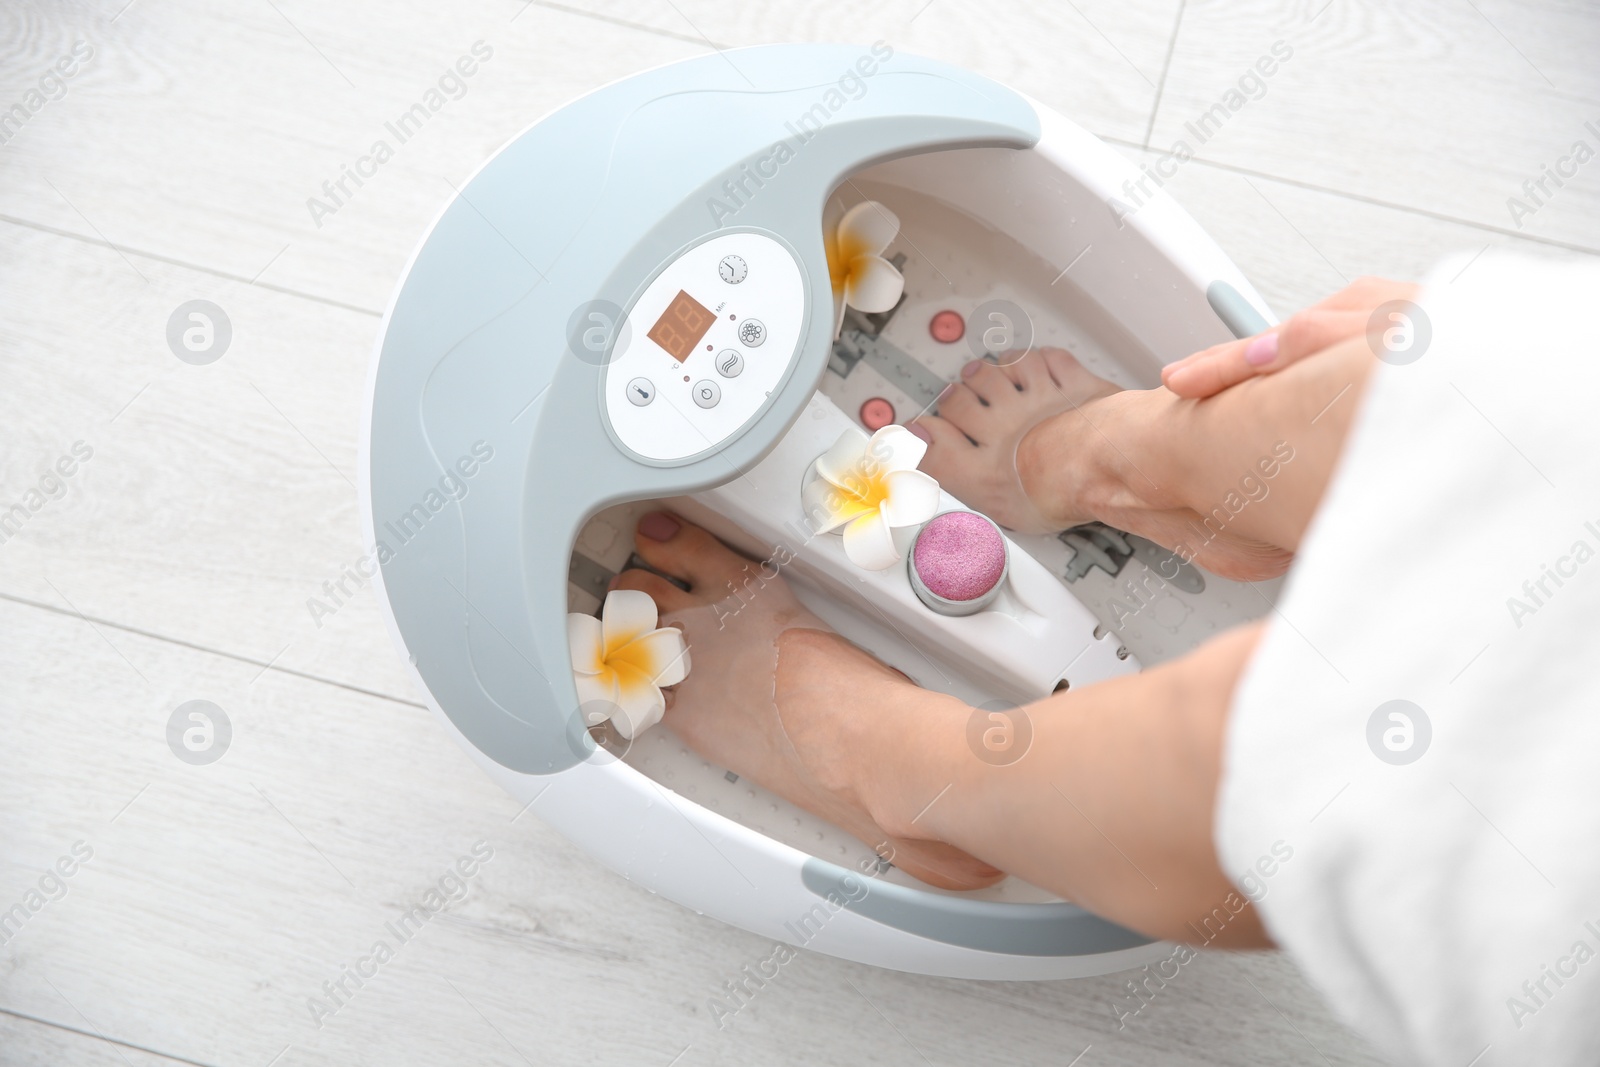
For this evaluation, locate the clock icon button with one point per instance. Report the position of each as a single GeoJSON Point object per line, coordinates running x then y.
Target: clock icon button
{"type": "Point", "coordinates": [733, 269]}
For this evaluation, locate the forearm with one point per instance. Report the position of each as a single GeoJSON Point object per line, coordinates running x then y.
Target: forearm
{"type": "Point", "coordinates": [1111, 807]}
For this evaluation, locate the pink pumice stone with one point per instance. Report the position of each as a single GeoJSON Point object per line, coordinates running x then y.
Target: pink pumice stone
{"type": "Point", "coordinates": [959, 555]}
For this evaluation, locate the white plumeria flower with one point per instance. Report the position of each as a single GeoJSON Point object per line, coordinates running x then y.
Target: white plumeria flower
{"type": "Point", "coordinates": [621, 660]}
{"type": "Point", "coordinates": [861, 277]}
{"type": "Point", "coordinates": [870, 486]}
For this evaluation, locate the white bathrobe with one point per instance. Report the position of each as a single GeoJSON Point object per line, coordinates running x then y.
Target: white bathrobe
{"type": "Point", "coordinates": [1444, 895]}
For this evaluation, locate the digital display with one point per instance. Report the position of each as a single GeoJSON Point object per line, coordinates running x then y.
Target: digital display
{"type": "Point", "coordinates": [681, 326]}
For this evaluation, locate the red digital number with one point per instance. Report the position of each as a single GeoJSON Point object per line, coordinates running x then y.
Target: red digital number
{"type": "Point", "coordinates": [681, 326]}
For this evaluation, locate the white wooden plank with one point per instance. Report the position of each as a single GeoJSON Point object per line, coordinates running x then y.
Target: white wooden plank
{"type": "Point", "coordinates": [1442, 107]}
{"type": "Point", "coordinates": [200, 133]}
{"type": "Point", "coordinates": [218, 898]}
{"type": "Point", "coordinates": [1298, 245]}
{"type": "Point", "coordinates": [218, 498]}
{"type": "Point", "coordinates": [26, 1042]}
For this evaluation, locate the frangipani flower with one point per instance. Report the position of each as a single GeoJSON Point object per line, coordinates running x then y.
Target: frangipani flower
{"type": "Point", "coordinates": [621, 660]}
{"type": "Point", "coordinates": [861, 276]}
{"type": "Point", "coordinates": [870, 486]}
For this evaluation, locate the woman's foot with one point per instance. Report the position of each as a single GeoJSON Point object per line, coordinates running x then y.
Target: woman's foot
{"type": "Point", "coordinates": [776, 696]}
{"type": "Point", "coordinates": [1040, 445]}
{"type": "Point", "coordinates": [975, 440]}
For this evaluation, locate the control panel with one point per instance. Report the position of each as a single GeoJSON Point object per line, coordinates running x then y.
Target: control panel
{"type": "Point", "coordinates": [705, 346]}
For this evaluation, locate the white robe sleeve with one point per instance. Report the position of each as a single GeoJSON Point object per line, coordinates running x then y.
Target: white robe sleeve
{"type": "Point", "coordinates": [1442, 885]}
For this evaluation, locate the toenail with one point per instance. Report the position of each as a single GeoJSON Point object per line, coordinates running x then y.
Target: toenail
{"type": "Point", "coordinates": [659, 526]}
{"type": "Point", "coordinates": [1262, 350]}
{"type": "Point", "coordinates": [921, 431]}
{"type": "Point", "coordinates": [969, 369]}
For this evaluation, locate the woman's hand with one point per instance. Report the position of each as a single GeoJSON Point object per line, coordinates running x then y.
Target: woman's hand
{"type": "Point", "coordinates": [1341, 316]}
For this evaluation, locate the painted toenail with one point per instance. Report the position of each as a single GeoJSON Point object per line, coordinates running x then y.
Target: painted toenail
{"type": "Point", "coordinates": [969, 369]}
{"type": "Point", "coordinates": [659, 526]}
{"type": "Point", "coordinates": [1262, 350]}
{"type": "Point", "coordinates": [921, 431]}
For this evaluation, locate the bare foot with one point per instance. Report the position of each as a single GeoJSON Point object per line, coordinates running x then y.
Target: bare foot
{"type": "Point", "coordinates": [1033, 445]}
{"type": "Point", "coordinates": [982, 420]}
{"type": "Point", "coordinates": [776, 696]}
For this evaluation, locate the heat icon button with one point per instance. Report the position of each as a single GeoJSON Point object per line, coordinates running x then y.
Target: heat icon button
{"type": "Point", "coordinates": [641, 391]}
{"type": "Point", "coordinates": [729, 363]}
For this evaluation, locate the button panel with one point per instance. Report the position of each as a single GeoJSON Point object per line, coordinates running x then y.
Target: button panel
{"type": "Point", "coordinates": [731, 310]}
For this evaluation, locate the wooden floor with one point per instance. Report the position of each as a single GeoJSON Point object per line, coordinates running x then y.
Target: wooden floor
{"type": "Point", "coordinates": [176, 562]}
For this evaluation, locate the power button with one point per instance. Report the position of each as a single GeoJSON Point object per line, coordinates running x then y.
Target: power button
{"type": "Point", "coordinates": [707, 393]}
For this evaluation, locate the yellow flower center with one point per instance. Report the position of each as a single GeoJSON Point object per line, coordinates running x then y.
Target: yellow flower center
{"type": "Point", "coordinates": [863, 493]}
{"type": "Point", "coordinates": [632, 662]}
{"type": "Point", "coordinates": [842, 249]}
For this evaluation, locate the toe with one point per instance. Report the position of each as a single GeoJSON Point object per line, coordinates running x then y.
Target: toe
{"type": "Point", "coordinates": [944, 440]}
{"type": "Point", "coordinates": [668, 597]}
{"type": "Point", "coordinates": [992, 383]}
{"type": "Point", "coordinates": [1027, 370]}
{"type": "Point", "coordinates": [686, 551]}
{"type": "Point", "coordinates": [1073, 379]}
{"type": "Point", "coordinates": [963, 409]}
{"type": "Point", "coordinates": [1063, 365]}
{"type": "Point", "coordinates": [952, 459]}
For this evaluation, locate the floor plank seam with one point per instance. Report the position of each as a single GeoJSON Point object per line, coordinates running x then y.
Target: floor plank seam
{"type": "Point", "coordinates": [174, 262]}
{"type": "Point", "coordinates": [1166, 65]}
{"type": "Point", "coordinates": [613, 20]}
{"type": "Point", "coordinates": [1362, 198]}
{"type": "Point", "coordinates": [181, 643]}
{"type": "Point", "coordinates": [100, 1037]}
